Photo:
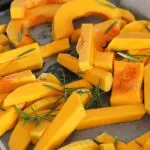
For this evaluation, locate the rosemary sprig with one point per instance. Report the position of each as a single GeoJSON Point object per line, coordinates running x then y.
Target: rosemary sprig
{"type": "Point", "coordinates": [110, 27]}
{"type": "Point", "coordinates": [20, 34]}
{"type": "Point", "coordinates": [26, 52]}
{"type": "Point", "coordinates": [116, 140]}
{"type": "Point", "coordinates": [106, 4]}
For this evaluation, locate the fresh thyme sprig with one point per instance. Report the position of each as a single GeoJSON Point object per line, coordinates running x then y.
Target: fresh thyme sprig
{"type": "Point", "coordinates": [111, 26]}
{"type": "Point", "coordinates": [106, 4]}
{"type": "Point", "coordinates": [20, 34]}
{"type": "Point", "coordinates": [116, 140]}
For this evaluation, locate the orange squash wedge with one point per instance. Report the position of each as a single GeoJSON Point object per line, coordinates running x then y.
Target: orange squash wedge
{"type": "Point", "coordinates": [63, 26]}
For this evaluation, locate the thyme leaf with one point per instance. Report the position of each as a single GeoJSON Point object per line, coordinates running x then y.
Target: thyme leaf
{"type": "Point", "coordinates": [26, 52]}
{"type": "Point", "coordinates": [116, 140]}
{"type": "Point", "coordinates": [110, 27]}
{"type": "Point", "coordinates": [20, 34]}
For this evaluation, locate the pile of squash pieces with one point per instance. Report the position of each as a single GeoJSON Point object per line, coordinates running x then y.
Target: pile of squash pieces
{"type": "Point", "coordinates": [114, 55]}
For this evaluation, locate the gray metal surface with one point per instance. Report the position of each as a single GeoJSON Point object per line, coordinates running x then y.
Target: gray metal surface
{"type": "Point", "coordinates": [125, 131]}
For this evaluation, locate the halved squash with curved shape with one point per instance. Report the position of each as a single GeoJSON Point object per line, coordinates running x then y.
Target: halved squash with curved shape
{"type": "Point", "coordinates": [63, 26]}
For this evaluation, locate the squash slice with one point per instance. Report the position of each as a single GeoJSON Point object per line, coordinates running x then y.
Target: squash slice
{"type": "Point", "coordinates": [147, 145]}
{"type": "Point", "coordinates": [63, 26]}
{"type": "Point", "coordinates": [3, 28]}
{"type": "Point", "coordinates": [111, 115]}
{"type": "Point", "coordinates": [63, 125]}
{"type": "Point", "coordinates": [133, 145]}
{"type": "Point", "coordinates": [107, 147]}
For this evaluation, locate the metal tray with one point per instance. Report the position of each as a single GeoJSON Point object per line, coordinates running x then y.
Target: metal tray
{"type": "Point", "coordinates": [124, 131]}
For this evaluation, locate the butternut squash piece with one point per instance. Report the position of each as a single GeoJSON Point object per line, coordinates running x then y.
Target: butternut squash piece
{"type": "Point", "coordinates": [130, 40]}
{"type": "Point", "coordinates": [63, 125]}
{"type": "Point", "coordinates": [105, 138]}
{"type": "Point", "coordinates": [147, 145]}
{"type": "Point", "coordinates": [104, 60]}
{"type": "Point", "coordinates": [55, 47]}
{"type": "Point", "coordinates": [2, 48]}
{"type": "Point", "coordinates": [20, 59]}
{"type": "Point", "coordinates": [128, 77]}
{"type": "Point", "coordinates": [37, 132]}
{"type": "Point", "coordinates": [85, 47]}
{"type": "Point", "coordinates": [136, 26]}
{"type": "Point", "coordinates": [111, 115]}
{"type": "Point", "coordinates": [75, 36]}
{"type": "Point", "coordinates": [3, 96]}
{"type": "Point", "coordinates": [11, 82]}
{"type": "Point", "coordinates": [142, 139]}
{"type": "Point", "coordinates": [63, 27]}
{"type": "Point", "coordinates": [133, 145]}
{"type": "Point", "coordinates": [42, 104]}
{"type": "Point", "coordinates": [79, 84]}
{"type": "Point", "coordinates": [8, 119]}
{"type": "Point", "coordinates": [31, 92]}
{"type": "Point", "coordinates": [107, 147]}
{"type": "Point", "coordinates": [49, 77]}
{"type": "Point", "coordinates": [146, 88]}
{"type": "Point", "coordinates": [3, 28]}
{"type": "Point", "coordinates": [3, 39]}
{"type": "Point", "coordinates": [95, 76]}
{"type": "Point", "coordinates": [15, 27]}
{"type": "Point", "coordinates": [21, 133]}
{"type": "Point", "coordinates": [81, 145]}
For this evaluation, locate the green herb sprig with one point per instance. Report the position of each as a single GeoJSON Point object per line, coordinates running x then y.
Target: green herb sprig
{"type": "Point", "coordinates": [116, 140]}
{"type": "Point", "coordinates": [110, 27]}
{"type": "Point", "coordinates": [20, 34]}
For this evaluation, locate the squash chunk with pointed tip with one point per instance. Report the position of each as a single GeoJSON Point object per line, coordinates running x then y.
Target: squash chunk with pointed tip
{"type": "Point", "coordinates": [81, 145]}
{"type": "Point", "coordinates": [107, 147]}
{"type": "Point", "coordinates": [136, 26]}
{"type": "Point", "coordinates": [42, 104]}
{"type": "Point", "coordinates": [142, 139]}
{"type": "Point", "coordinates": [31, 92]}
{"type": "Point", "coordinates": [21, 59]}
{"type": "Point", "coordinates": [63, 125]}
{"type": "Point", "coordinates": [111, 115]}
{"type": "Point", "coordinates": [21, 132]}
{"type": "Point", "coordinates": [37, 132]}
{"type": "Point", "coordinates": [95, 76]}
{"type": "Point", "coordinates": [63, 26]}
{"type": "Point", "coordinates": [130, 40]}
{"type": "Point", "coordinates": [128, 79]}
{"type": "Point", "coordinates": [11, 82]}
{"type": "Point", "coordinates": [85, 47]}
{"type": "Point", "coordinates": [104, 60]}
{"type": "Point", "coordinates": [49, 77]}
{"type": "Point", "coordinates": [146, 88]}
{"type": "Point", "coordinates": [55, 47]}
{"type": "Point", "coordinates": [133, 145]}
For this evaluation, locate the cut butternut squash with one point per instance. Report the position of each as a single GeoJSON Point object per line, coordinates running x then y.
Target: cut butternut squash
{"type": "Point", "coordinates": [75, 36]}
{"type": "Point", "coordinates": [49, 77]}
{"type": "Point", "coordinates": [107, 147]}
{"type": "Point", "coordinates": [105, 138]}
{"type": "Point", "coordinates": [3, 39]}
{"type": "Point", "coordinates": [142, 139]}
{"type": "Point", "coordinates": [104, 60]}
{"type": "Point", "coordinates": [79, 84]}
{"type": "Point", "coordinates": [63, 125]}
{"type": "Point", "coordinates": [11, 82]}
{"type": "Point", "coordinates": [37, 132]}
{"type": "Point", "coordinates": [81, 145]}
{"type": "Point", "coordinates": [55, 47]}
{"type": "Point", "coordinates": [20, 59]}
{"type": "Point", "coordinates": [136, 26]}
{"type": "Point", "coordinates": [95, 76]}
{"type": "Point", "coordinates": [147, 145]}
{"type": "Point", "coordinates": [21, 133]}
{"type": "Point", "coordinates": [31, 92]}
{"type": "Point", "coordinates": [128, 77]}
{"type": "Point", "coordinates": [42, 104]}
{"type": "Point", "coordinates": [133, 145]}
{"type": "Point", "coordinates": [130, 40]}
{"type": "Point", "coordinates": [146, 88]}
{"type": "Point", "coordinates": [3, 96]}
{"type": "Point", "coordinates": [111, 115]}
{"type": "Point", "coordinates": [2, 48]}
{"type": "Point", "coordinates": [8, 119]}
{"type": "Point", "coordinates": [63, 26]}
{"type": "Point", "coordinates": [85, 47]}
{"type": "Point", "coordinates": [3, 28]}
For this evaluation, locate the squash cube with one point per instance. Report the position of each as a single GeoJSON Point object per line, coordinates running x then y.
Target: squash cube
{"type": "Point", "coordinates": [107, 147]}
{"type": "Point", "coordinates": [85, 47]}
{"type": "Point", "coordinates": [130, 40]}
{"type": "Point", "coordinates": [111, 115]}
{"type": "Point", "coordinates": [128, 79]}
{"type": "Point", "coordinates": [63, 125]}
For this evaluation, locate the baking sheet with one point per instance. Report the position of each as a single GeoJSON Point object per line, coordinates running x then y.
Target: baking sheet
{"type": "Point", "coordinates": [124, 131]}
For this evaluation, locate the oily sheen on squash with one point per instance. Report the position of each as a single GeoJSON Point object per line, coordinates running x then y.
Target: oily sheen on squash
{"type": "Point", "coordinates": [63, 125]}
{"type": "Point", "coordinates": [95, 76]}
{"type": "Point", "coordinates": [127, 85]}
{"type": "Point", "coordinates": [63, 26]}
